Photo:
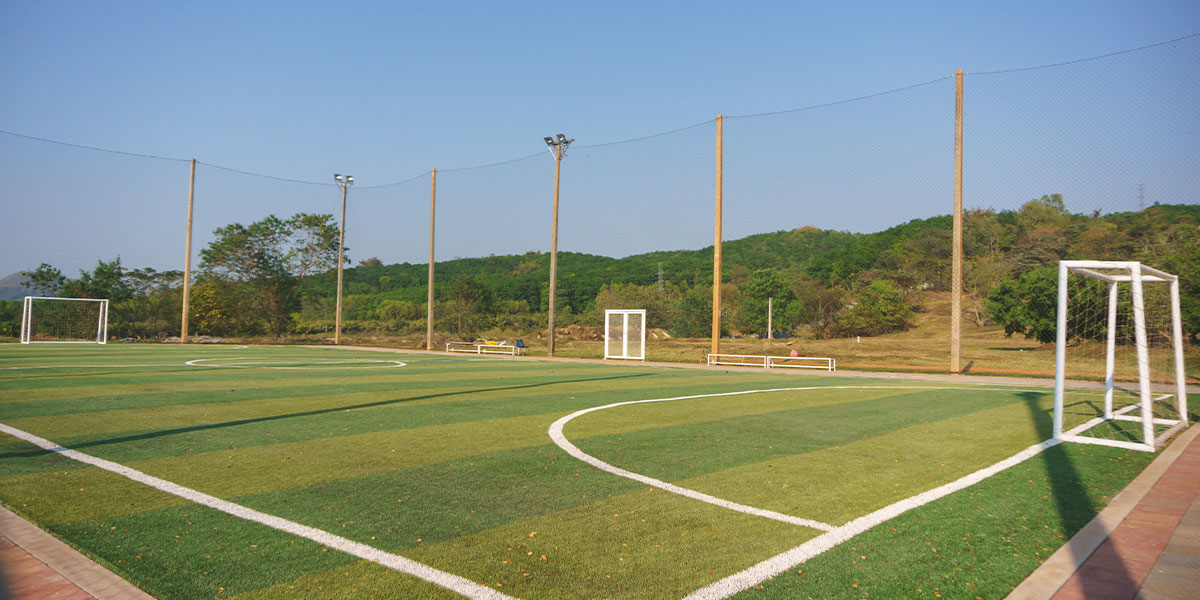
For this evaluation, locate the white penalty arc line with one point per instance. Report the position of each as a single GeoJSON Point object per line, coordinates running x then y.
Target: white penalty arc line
{"type": "Point", "coordinates": [834, 535]}
{"type": "Point", "coordinates": [314, 363]}
{"type": "Point", "coordinates": [452, 582]}
{"type": "Point", "coordinates": [556, 434]}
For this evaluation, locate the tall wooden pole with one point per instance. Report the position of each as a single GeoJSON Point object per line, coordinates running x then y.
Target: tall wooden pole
{"type": "Point", "coordinates": [429, 298]}
{"type": "Point", "coordinates": [957, 261]}
{"type": "Point", "coordinates": [716, 316]}
{"type": "Point", "coordinates": [187, 257]}
{"type": "Point", "coordinates": [337, 328]}
{"type": "Point", "coordinates": [558, 150]}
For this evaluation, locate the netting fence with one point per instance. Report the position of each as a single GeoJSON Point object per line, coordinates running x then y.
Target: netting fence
{"type": "Point", "coordinates": [839, 213]}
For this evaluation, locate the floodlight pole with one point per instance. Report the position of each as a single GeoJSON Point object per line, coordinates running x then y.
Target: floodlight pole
{"type": "Point", "coordinates": [337, 328]}
{"type": "Point", "coordinates": [187, 258]}
{"type": "Point", "coordinates": [716, 303]}
{"type": "Point", "coordinates": [429, 297]}
{"type": "Point", "coordinates": [956, 266]}
{"type": "Point", "coordinates": [558, 148]}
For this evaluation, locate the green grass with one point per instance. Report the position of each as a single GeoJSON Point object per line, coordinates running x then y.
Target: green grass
{"type": "Point", "coordinates": [447, 461]}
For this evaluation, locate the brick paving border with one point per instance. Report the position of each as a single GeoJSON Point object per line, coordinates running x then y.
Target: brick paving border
{"type": "Point", "coordinates": [39, 566]}
{"type": "Point", "coordinates": [1113, 554]}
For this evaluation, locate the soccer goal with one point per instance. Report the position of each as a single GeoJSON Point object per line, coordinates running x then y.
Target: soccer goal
{"type": "Point", "coordinates": [625, 334]}
{"type": "Point", "coordinates": [64, 320]}
{"type": "Point", "coordinates": [1119, 328]}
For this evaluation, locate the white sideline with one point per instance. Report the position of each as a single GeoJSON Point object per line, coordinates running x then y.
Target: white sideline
{"type": "Point", "coordinates": [317, 363]}
{"type": "Point", "coordinates": [556, 434]}
{"type": "Point", "coordinates": [452, 582]}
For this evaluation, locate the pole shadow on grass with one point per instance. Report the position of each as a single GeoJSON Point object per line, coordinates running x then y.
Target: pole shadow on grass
{"type": "Point", "coordinates": [310, 413]}
{"type": "Point", "coordinates": [1071, 498]}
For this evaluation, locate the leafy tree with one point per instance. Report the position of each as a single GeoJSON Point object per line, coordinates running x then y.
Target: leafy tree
{"type": "Point", "coordinates": [880, 308]}
{"type": "Point", "coordinates": [1049, 210]}
{"type": "Point", "coordinates": [154, 308]}
{"type": "Point", "coordinates": [219, 307]}
{"type": "Point", "coordinates": [820, 304]}
{"type": "Point", "coordinates": [1040, 247]}
{"type": "Point", "coordinates": [469, 297]}
{"type": "Point", "coordinates": [273, 256]}
{"type": "Point", "coordinates": [1027, 305]}
{"type": "Point", "coordinates": [107, 280]}
{"type": "Point", "coordinates": [659, 305]}
{"type": "Point", "coordinates": [10, 317]}
{"type": "Point", "coordinates": [45, 280]}
{"type": "Point", "coordinates": [755, 294]}
{"type": "Point", "coordinates": [693, 313]}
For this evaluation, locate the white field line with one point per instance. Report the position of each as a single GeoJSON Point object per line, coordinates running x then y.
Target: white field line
{"type": "Point", "coordinates": [556, 434]}
{"type": "Point", "coordinates": [314, 363]}
{"type": "Point", "coordinates": [777, 564]}
{"type": "Point", "coordinates": [89, 366]}
{"type": "Point", "coordinates": [452, 582]}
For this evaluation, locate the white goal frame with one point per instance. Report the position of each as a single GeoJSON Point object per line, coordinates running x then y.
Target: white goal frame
{"type": "Point", "coordinates": [624, 315]}
{"type": "Point", "coordinates": [27, 332]}
{"type": "Point", "coordinates": [1135, 273]}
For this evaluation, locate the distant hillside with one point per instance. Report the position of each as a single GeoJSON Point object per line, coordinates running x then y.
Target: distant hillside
{"type": "Point", "coordinates": [11, 288]}
{"type": "Point", "coordinates": [914, 255]}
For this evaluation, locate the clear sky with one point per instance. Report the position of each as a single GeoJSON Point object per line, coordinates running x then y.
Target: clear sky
{"type": "Point", "coordinates": [388, 90]}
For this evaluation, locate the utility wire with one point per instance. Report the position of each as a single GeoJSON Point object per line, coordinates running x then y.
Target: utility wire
{"type": "Point", "coordinates": [81, 146]}
{"type": "Point", "coordinates": [837, 102]}
{"type": "Point", "coordinates": [625, 141]}
{"type": "Point", "coordinates": [1083, 60]}
{"type": "Point", "coordinates": [231, 170]}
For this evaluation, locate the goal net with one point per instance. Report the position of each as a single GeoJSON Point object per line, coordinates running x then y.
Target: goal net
{"type": "Point", "coordinates": [64, 320]}
{"type": "Point", "coordinates": [1119, 376]}
{"type": "Point", "coordinates": [625, 334]}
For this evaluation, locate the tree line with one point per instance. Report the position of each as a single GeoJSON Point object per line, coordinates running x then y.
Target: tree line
{"type": "Point", "coordinates": [277, 277]}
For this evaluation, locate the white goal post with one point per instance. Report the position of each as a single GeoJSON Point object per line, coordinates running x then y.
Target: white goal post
{"type": "Point", "coordinates": [53, 320]}
{"type": "Point", "coordinates": [625, 334]}
{"type": "Point", "coordinates": [1122, 309]}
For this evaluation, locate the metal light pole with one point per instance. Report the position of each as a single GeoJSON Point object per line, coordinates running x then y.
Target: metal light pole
{"type": "Point", "coordinates": [558, 148]}
{"type": "Point", "coordinates": [345, 181]}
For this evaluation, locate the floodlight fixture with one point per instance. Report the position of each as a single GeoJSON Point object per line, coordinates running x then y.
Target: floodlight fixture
{"type": "Point", "coordinates": [337, 176]}
{"type": "Point", "coordinates": [558, 147]}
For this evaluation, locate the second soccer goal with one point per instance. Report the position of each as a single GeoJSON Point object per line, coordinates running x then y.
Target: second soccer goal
{"type": "Point", "coordinates": [625, 334]}
{"type": "Point", "coordinates": [64, 320]}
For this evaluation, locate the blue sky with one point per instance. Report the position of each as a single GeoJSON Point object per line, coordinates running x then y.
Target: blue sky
{"type": "Point", "coordinates": [388, 90]}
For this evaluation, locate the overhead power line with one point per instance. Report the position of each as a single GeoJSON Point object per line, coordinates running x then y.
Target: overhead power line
{"type": "Point", "coordinates": [614, 143]}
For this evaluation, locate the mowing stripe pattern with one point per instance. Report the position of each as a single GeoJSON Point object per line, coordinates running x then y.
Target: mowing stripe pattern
{"type": "Point", "coordinates": [444, 468]}
{"type": "Point", "coordinates": [399, 563]}
{"type": "Point", "coordinates": [775, 565]}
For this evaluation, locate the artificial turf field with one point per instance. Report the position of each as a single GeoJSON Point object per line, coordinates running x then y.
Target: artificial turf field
{"type": "Point", "coordinates": [444, 466]}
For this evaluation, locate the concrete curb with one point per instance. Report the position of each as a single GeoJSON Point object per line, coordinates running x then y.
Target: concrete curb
{"type": "Point", "coordinates": [80, 570]}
